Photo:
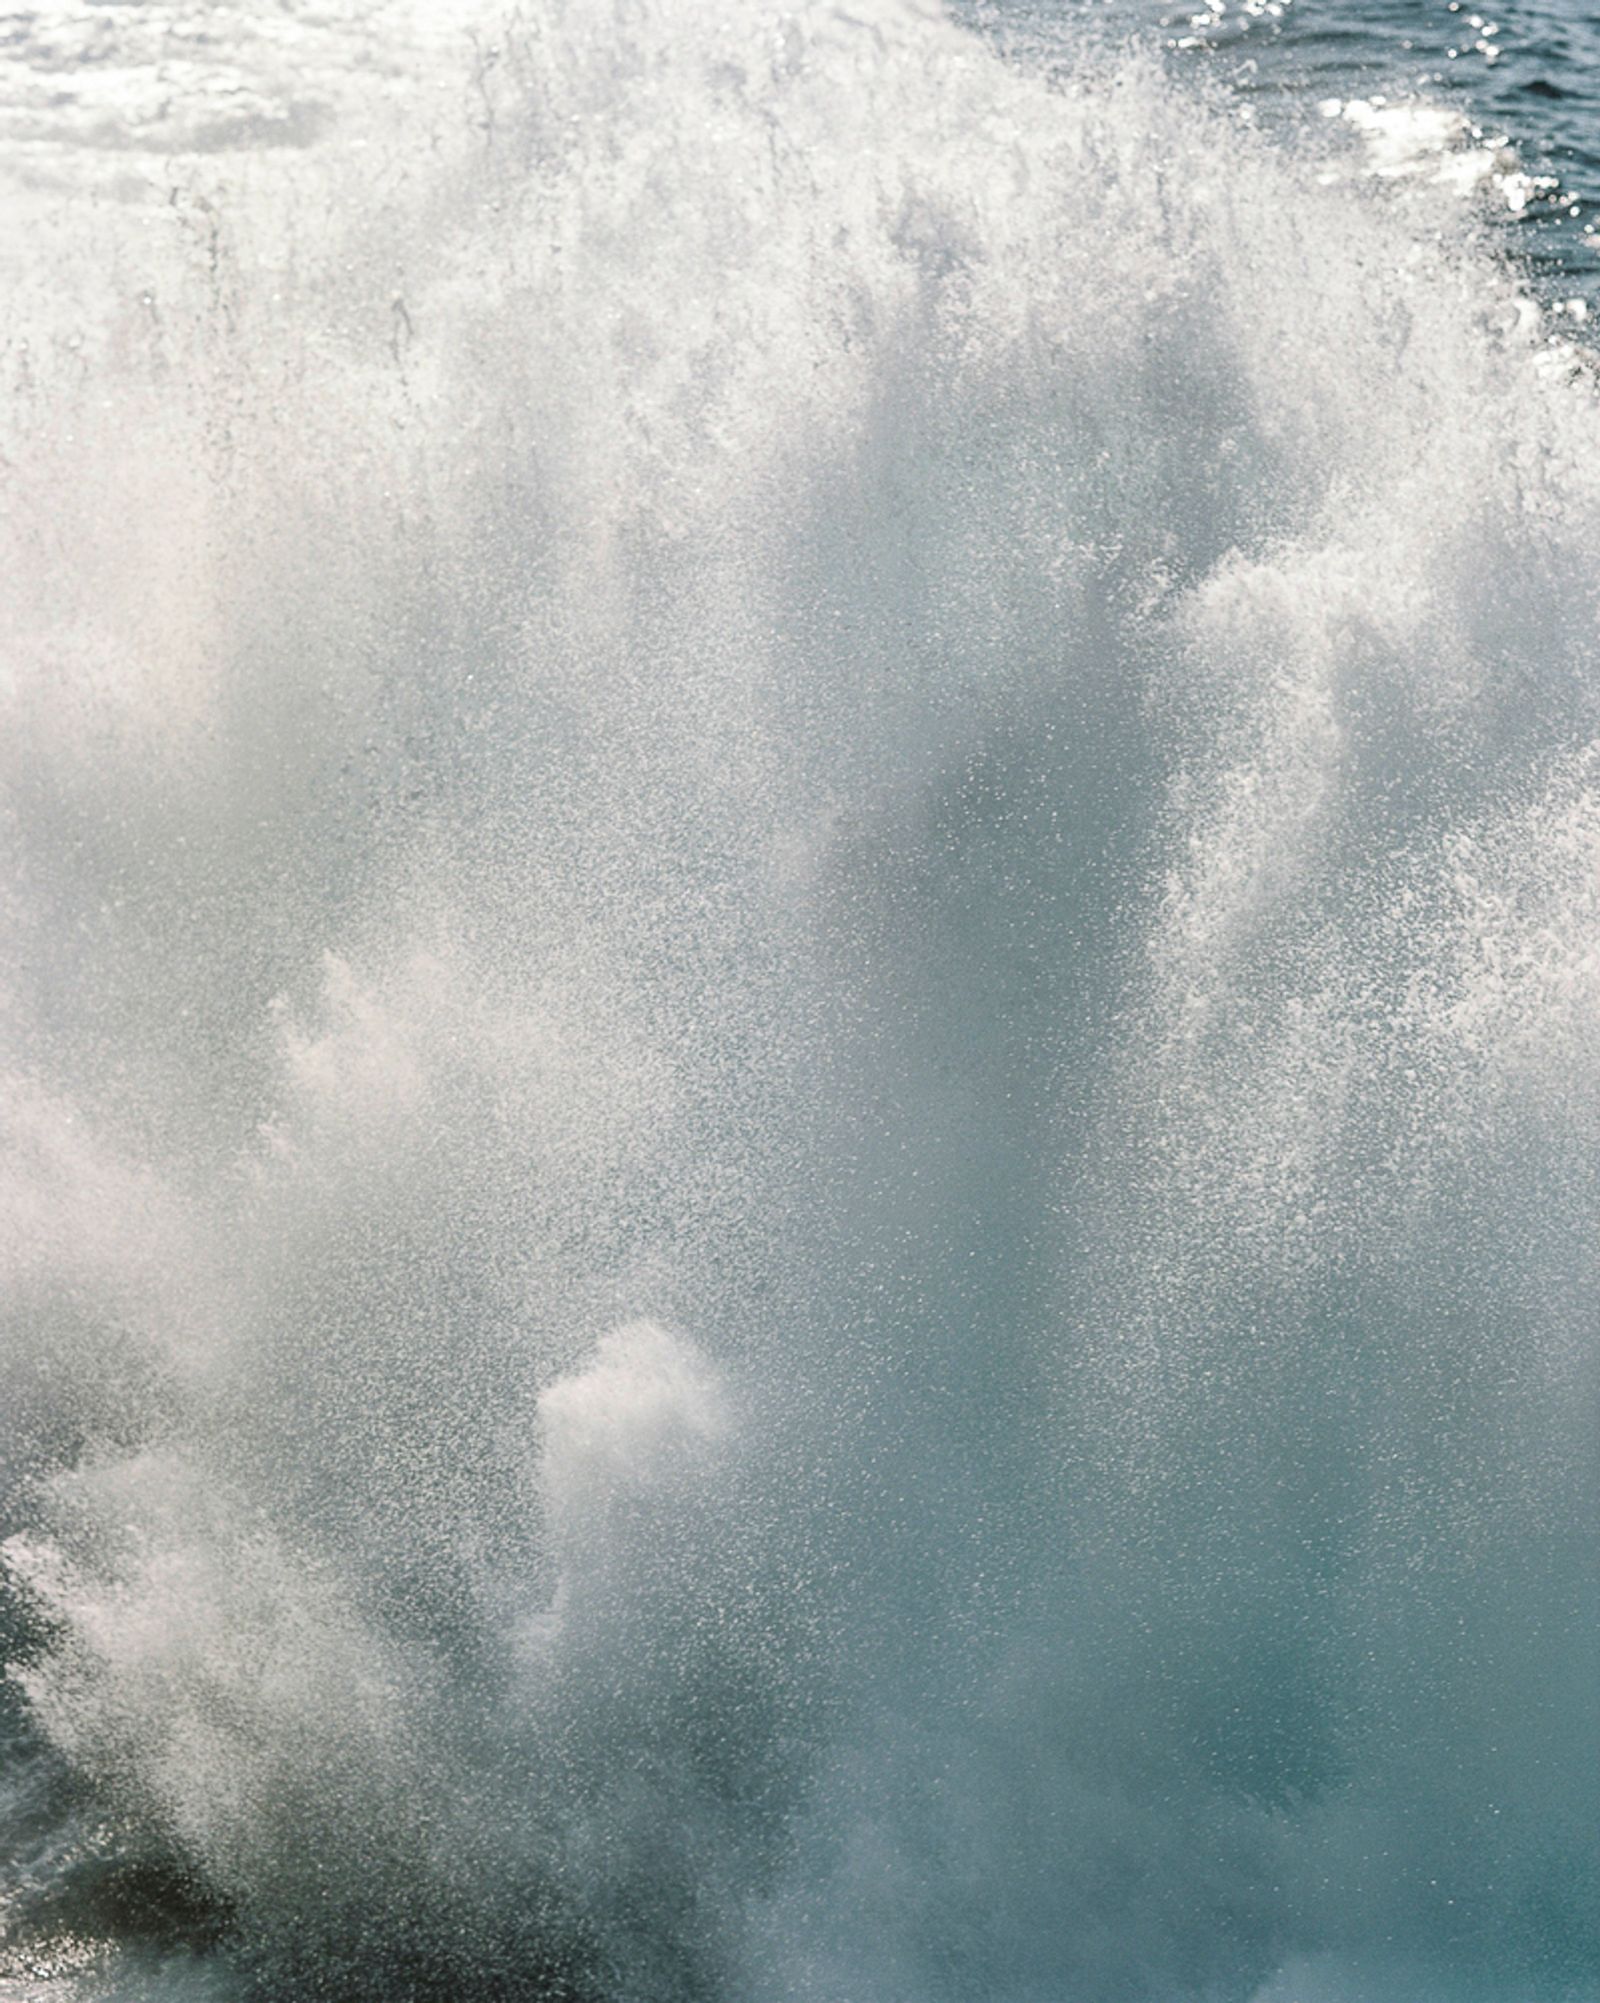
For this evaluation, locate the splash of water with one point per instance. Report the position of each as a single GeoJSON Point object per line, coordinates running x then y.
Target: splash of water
{"type": "Point", "coordinates": [938, 729]}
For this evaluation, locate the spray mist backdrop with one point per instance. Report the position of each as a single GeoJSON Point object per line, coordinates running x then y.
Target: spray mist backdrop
{"type": "Point", "coordinates": [801, 1031]}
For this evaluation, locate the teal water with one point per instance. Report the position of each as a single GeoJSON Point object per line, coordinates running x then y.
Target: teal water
{"type": "Point", "coordinates": [798, 1079]}
{"type": "Point", "coordinates": [1518, 82]}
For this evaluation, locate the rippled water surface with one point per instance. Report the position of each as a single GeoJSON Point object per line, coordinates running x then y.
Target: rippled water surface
{"type": "Point", "coordinates": [1452, 88]}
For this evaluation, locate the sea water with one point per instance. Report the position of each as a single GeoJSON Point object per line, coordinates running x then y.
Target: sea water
{"type": "Point", "coordinates": [800, 1124]}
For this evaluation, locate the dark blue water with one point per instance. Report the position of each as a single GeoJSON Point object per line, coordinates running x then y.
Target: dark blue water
{"type": "Point", "coordinates": [799, 1080]}
{"type": "Point", "coordinates": [1524, 76]}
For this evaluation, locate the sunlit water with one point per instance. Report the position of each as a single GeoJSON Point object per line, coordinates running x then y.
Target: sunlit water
{"type": "Point", "coordinates": [801, 1004]}
{"type": "Point", "coordinates": [1502, 101]}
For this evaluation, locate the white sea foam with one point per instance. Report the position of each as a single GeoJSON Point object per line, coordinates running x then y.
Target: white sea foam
{"type": "Point", "coordinates": [800, 1079]}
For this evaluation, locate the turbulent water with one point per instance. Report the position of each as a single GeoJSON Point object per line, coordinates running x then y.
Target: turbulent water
{"type": "Point", "coordinates": [1506, 101]}
{"type": "Point", "coordinates": [801, 1007]}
